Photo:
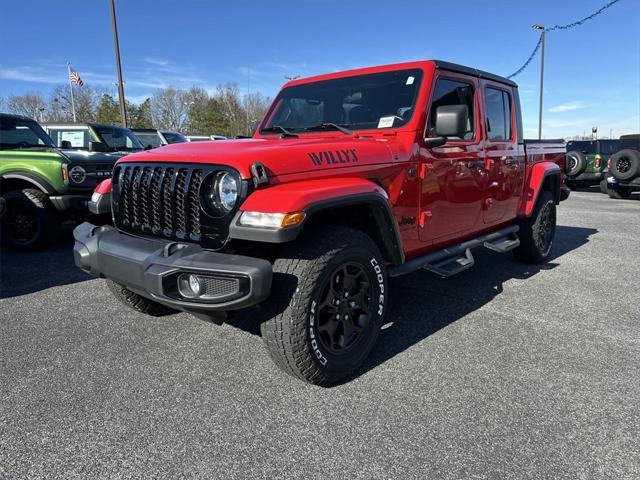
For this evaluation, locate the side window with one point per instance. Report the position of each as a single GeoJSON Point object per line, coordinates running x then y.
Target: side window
{"type": "Point", "coordinates": [497, 104]}
{"type": "Point", "coordinates": [452, 92]}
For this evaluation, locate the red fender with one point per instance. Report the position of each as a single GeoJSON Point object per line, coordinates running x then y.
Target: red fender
{"type": "Point", "coordinates": [298, 196]}
{"type": "Point", "coordinates": [104, 187]}
{"type": "Point", "coordinates": [533, 185]}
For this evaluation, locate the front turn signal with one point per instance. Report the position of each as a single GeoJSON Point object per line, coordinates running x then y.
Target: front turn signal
{"type": "Point", "coordinates": [271, 220]}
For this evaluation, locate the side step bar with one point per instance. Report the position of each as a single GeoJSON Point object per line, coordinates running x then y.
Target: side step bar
{"type": "Point", "coordinates": [457, 258]}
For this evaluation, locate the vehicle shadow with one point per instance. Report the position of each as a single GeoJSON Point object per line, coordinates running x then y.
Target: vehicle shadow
{"type": "Point", "coordinates": [445, 300]}
{"type": "Point", "coordinates": [28, 272]}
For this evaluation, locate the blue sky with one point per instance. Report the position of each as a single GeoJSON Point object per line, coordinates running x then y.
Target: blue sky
{"type": "Point", "coordinates": [592, 71]}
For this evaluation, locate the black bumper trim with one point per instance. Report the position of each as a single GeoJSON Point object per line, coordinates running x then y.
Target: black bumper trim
{"type": "Point", "coordinates": [145, 265]}
{"type": "Point", "coordinates": [564, 193]}
{"type": "Point", "coordinates": [70, 202]}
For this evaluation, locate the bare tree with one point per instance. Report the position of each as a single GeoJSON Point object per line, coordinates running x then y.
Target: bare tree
{"type": "Point", "coordinates": [29, 105]}
{"type": "Point", "coordinates": [197, 100]}
{"type": "Point", "coordinates": [169, 108]}
{"type": "Point", "coordinates": [86, 101]}
{"type": "Point", "coordinates": [255, 104]}
{"type": "Point", "coordinates": [228, 98]}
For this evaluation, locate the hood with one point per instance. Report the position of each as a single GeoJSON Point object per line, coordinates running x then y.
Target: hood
{"type": "Point", "coordinates": [87, 157]}
{"type": "Point", "coordinates": [279, 156]}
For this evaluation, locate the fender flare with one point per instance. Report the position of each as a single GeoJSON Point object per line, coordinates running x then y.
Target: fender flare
{"type": "Point", "coordinates": [533, 185]}
{"type": "Point", "coordinates": [36, 180]}
{"type": "Point", "coordinates": [315, 196]}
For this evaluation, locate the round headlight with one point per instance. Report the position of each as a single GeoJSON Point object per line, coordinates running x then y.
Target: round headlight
{"type": "Point", "coordinates": [226, 191]}
{"type": "Point", "coordinates": [77, 174]}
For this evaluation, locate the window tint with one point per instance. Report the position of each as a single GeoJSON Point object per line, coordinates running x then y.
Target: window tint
{"type": "Point", "coordinates": [497, 104]}
{"type": "Point", "coordinates": [149, 139]}
{"type": "Point", "coordinates": [586, 147]}
{"type": "Point", "coordinates": [18, 132]}
{"type": "Point", "coordinates": [452, 92]}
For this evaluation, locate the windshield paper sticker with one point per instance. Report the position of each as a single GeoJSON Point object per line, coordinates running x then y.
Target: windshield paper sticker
{"type": "Point", "coordinates": [410, 80]}
{"type": "Point", "coordinates": [75, 138]}
{"type": "Point", "coordinates": [386, 122]}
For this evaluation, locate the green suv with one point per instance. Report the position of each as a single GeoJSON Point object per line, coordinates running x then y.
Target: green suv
{"type": "Point", "coordinates": [586, 162]}
{"type": "Point", "coordinates": [42, 184]}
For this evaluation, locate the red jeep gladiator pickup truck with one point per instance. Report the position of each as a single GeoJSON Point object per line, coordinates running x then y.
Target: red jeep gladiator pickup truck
{"type": "Point", "coordinates": [350, 178]}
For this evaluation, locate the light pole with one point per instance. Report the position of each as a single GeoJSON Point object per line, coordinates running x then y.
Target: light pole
{"type": "Point", "coordinates": [537, 26]}
{"type": "Point", "coordinates": [116, 48]}
{"type": "Point", "coordinates": [291, 77]}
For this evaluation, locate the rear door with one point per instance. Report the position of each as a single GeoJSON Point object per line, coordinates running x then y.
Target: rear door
{"type": "Point", "coordinates": [452, 175]}
{"type": "Point", "coordinates": [504, 158]}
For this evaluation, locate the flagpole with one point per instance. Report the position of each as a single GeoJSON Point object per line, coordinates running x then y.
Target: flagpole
{"type": "Point", "coordinates": [73, 105]}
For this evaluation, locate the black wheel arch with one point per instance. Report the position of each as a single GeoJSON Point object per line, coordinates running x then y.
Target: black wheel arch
{"type": "Point", "coordinates": [19, 180]}
{"type": "Point", "coordinates": [366, 212]}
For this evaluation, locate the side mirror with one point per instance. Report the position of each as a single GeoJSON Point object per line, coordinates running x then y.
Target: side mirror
{"type": "Point", "coordinates": [97, 147]}
{"type": "Point", "coordinates": [451, 121]}
{"type": "Point", "coordinates": [65, 144]}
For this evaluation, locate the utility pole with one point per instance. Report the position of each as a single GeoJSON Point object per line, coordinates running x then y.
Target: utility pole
{"type": "Point", "coordinates": [537, 26]}
{"type": "Point", "coordinates": [116, 48]}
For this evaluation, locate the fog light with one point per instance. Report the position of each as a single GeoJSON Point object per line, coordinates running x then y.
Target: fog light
{"type": "Point", "coordinates": [189, 285]}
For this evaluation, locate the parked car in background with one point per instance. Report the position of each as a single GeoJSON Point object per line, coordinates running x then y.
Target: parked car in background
{"type": "Point", "coordinates": [357, 176]}
{"type": "Point", "coordinates": [94, 137]}
{"type": "Point", "coordinates": [205, 138]}
{"type": "Point", "coordinates": [623, 176]}
{"type": "Point", "coordinates": [586, 162]}
{"type": "Point", "coordinates": [152, 138]}
{"type": "Point", "coordinates": [42, 184]}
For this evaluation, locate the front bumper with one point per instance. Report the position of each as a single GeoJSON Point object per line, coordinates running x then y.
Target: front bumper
{"type": "Point", "coordinates": [150, 268]}
{"type": "Point", "coordinates": [73, 202]}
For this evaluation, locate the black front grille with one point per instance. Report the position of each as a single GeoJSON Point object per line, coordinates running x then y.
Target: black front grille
{"type": "Point", "coordinates": [163, 200]}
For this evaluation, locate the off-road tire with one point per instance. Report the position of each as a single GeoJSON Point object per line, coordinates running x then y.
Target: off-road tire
{"type": "Point", "coordinates": [32, 206]}
{"type": "Point", "coordinates": [295, 320]}
{"type": "Point", "coordinates": [541, 225]}
{"type": "Point", "coordinates": [625, 164]}
{"type": "Point", "coordinates": [137, 302]}
{"type": "Point", "coordinates": [575, 163]}
{"type": "Point", "coordinates": [619, 193]}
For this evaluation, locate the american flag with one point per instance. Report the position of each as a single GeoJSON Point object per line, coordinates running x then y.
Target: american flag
{"type": "Point", "coordinates": [75, 78]}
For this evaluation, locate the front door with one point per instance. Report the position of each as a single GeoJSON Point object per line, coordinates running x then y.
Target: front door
{"type": "Point", "coordinates": [505, 159]}
{"type": "Point", "coordinates": [452, 175]}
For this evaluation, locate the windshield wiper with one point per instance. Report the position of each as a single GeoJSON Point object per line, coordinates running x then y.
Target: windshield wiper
{"type": "Point", "coordinates": [279, 128]}
{"type": "Point", "coordinates": [331, 126]}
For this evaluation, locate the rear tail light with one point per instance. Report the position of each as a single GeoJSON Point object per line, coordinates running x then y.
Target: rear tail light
{"type": "Point", "coordinates": [609, 163]}
{"type": "Point", "coordinates": [597, 162]}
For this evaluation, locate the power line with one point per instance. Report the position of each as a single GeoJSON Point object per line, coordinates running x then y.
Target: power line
{"type": "Point", "coordinates": [562, 27]}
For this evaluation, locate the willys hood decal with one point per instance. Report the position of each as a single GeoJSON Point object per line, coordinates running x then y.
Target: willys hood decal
{"type": "Point", "coordinates": [279, 156]}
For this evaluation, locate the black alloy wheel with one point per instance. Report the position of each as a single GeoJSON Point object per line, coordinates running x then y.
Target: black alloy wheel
{"type": "Point", "coordinates": [21, 221]}
{"type": "Point", "coordinates": [546, 229]}
{"type": "Point", "coordinates": [345, 307]}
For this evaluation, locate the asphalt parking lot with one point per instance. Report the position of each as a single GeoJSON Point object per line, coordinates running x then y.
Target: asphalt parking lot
{"type": "Point", "coordinates": [505, 371]}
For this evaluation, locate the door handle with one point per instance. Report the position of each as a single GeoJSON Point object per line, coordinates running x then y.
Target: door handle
{"type": "Point", "coordinates": [512, 161]}
{"type": "Point", "coordinates": [475, 164]}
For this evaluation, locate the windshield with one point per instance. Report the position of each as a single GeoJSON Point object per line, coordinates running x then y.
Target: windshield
{"type": "Point", "coordinates": [174, 137]}
{"type": "Point", "coordinates": [586, 147]}
{"type": "Point", "coordinates": [374, 101]}
{"type": "Point", "coordinates": [22, 133]}
{"type": "Point", "coordinates": [149, 139]}
{"type": "Point", "coordinates": [118, 138]}
{"type": "Point", "coordinates": [77, 137]}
